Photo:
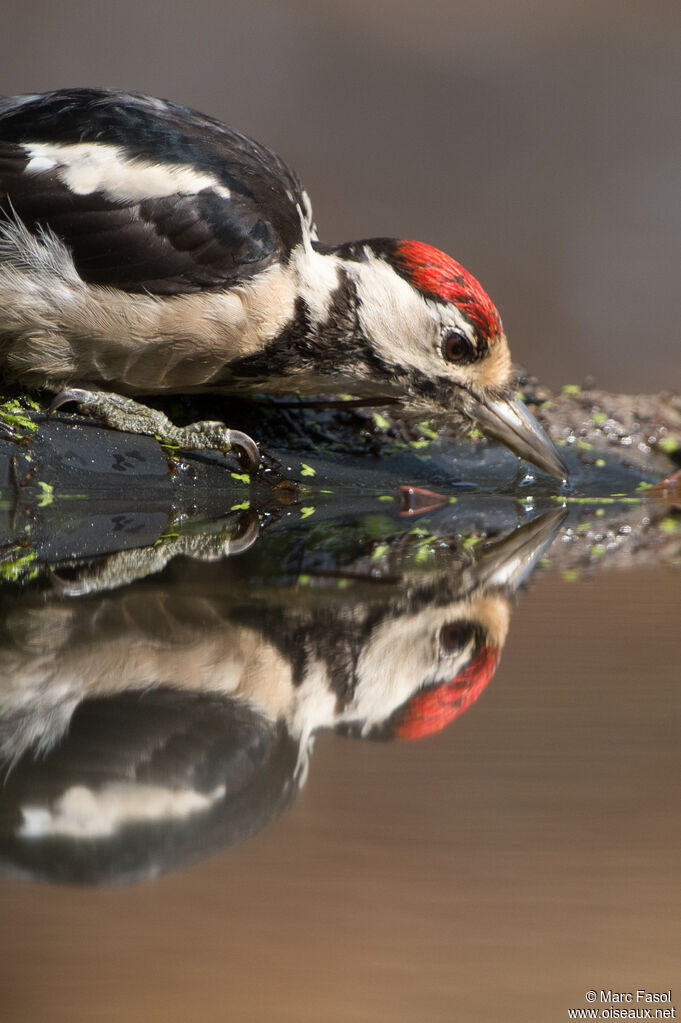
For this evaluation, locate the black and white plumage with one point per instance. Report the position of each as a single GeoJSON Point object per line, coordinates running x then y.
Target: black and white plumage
{"type": "Point", "coordinates": [192, 725]}
{"type": "Point", "coordinates": [148, 197]}
{"type": "Point", "coordinates": [146, 248]}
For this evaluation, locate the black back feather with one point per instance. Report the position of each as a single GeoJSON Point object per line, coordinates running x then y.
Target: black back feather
{"type": "Point", "coordinates": [171, 244]}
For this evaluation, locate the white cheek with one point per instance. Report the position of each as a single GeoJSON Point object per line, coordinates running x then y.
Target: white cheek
{"type": "Point", "coordinates": [402, 656]}
{"type": "Point", "coordinates": [90, 167]}
{"type": "Point", "coordinates": [395, 316]}
{"type": "Point", "coordinates": [406, 327]}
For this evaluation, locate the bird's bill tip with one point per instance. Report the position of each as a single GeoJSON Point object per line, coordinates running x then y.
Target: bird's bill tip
{"type": "Point", "coordinates": [508, 562]}
{"type": "Point", "coordinates": [509, 421]}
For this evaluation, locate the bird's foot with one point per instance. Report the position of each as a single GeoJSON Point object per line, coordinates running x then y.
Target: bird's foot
{"type": "Point", "coordinates": [133, 417]}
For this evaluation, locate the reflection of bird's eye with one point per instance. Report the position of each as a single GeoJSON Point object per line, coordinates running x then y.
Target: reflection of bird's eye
{"type": "Point", "coordinates": [454, 637]}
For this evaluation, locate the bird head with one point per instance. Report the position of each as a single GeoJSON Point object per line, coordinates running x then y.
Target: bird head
{"type": "Point", "coordinates": [420, 668]}
{"type": "Point", "coordinates": [418, 672]}
{"type": "Point", "coordinates": [436, 333]}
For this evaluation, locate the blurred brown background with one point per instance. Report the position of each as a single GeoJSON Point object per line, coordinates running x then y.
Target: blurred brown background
{"type": "Point", "coordinates": [539, 141]}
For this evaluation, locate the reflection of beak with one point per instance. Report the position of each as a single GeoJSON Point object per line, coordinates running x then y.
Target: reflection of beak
{"type": "Point", "coordinates": [510, 422]}
{"type": "Point", "coordinates": [507, 563]}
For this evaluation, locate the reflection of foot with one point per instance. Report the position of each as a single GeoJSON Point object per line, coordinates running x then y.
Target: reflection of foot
{"type": "Point", "coordinates": [132, 417]}
{"type": "Point", "coordinates": [668, 490]}
{"type": "Point", "coordinates": [124, 567]}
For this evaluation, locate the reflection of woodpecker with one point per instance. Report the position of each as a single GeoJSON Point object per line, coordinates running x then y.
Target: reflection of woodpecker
{"type": "Point", "coordinates": [148, 248]}
{"type": "Point", "coordinates": [157, 706]}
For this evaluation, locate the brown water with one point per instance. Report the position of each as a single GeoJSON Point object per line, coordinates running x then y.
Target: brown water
{"type": "Point", "coordinates": [495, 871]}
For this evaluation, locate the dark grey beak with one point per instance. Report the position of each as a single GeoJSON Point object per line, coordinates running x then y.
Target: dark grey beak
{"type": "Point", "coordinates": [509, 421]}
{"type": "Point", "coordinates": [508, 562]}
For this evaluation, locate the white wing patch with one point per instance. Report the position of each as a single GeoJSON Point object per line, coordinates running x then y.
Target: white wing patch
{"type": "Point", "coordinates": [87, 813]}
{"type": "Point", "coordinates": [87, 167]}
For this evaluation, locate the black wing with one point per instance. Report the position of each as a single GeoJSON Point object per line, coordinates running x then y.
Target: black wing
{"type": "Point", "coordinates": [163, 777]}
{"type": "Point", "coordinates": [148, 196]}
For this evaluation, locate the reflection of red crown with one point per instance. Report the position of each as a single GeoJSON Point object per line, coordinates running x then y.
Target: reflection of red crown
{"type": "Point", "coordinates": [429, 711]}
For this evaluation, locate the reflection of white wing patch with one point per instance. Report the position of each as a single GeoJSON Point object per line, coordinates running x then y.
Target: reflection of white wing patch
{"type": "Point", "coordinates": [88, 813]}
{"type": "Point", "coordinates": [87, 167]}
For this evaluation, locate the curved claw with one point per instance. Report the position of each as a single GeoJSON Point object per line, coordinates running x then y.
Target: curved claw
{"type": "Point", "coordinates": [70, 587]}
{"type": "Point", "coordinates": [246, 540]}
{"type": "Point", "coordinates": [68, 394]}
{"type": "Point", "coordinates": [129, 416]}
{"type": "Point", "coordinates": [248, 447]}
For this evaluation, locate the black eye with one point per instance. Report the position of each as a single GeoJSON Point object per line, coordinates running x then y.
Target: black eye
{"type": "Point", "coordinates": [456, 347]}
{"type": "Point", "coordinates": [456, 636]}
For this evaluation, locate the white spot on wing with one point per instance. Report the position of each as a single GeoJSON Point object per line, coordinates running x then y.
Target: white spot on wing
{"type": "Point", "coordinates": [38, 164]}
{"type": "Point", "coordinates": [87, 167]}
{"type": "Point", "coordinates": [88, 813]}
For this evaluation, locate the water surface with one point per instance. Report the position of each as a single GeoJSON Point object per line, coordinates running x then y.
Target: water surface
{"type": "Point", "coordinates": [519, 853]}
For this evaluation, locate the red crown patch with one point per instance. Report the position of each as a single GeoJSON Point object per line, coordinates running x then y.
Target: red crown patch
{"type": "Point", "coordinates": [429, 711]}
{"type": "Point", "coordinates": [437, 274]}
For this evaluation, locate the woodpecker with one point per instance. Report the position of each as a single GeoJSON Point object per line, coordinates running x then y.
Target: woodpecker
{"type": "Point", "coordinates": [119, 766]}
{"type": "Point", "coordinates": [149, 249]}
